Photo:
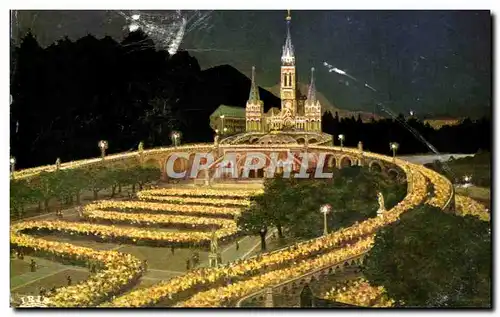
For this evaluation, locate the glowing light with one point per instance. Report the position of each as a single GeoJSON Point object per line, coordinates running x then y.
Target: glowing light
{"type": "Point", "coordinates": [325, 208]}
{"type": "Point", "coordinates": [103, 144]}
{"type": "Point", "coordinates": [339, 71]}
{"type": "Point", "coordinates": [133, 27]}
{"type": "Point", "coordinates": [167, 29]}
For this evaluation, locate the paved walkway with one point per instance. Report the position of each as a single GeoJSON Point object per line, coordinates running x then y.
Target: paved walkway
{"type": "Point", "coordinates": [45, 268]}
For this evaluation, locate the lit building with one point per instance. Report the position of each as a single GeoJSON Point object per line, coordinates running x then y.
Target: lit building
{"type": "Point", "coordinates": [296, 114]}
{"type": "Point", "coordinates": [439, 123]}
{"type": "Point", "coordinates": [228, 120]}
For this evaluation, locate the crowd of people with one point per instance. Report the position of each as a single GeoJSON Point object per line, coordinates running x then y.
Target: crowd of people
{"type": "Point", "coordinates": [199, 192]}
{"type": "Point", "coordinates": [467, 206]}
{"type": "Point", "coordinates": [119, 270]}
{"type": "Point", "coordinates": [213, 286]}
{"type": "Point", "coordinates": [268, 269]}
{"type": "Point", "coordinates": [219, 210]}
{"type": "Point", "coordinates": [148, 196]}
{"type": "Point", "coordinates": [225, 227]}
{"type": "Point", "coordinates": [359, 292]}
{"type": "Point", "coordinates": [118, 234]}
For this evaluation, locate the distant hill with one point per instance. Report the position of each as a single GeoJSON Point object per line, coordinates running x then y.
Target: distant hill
{"type": "Point", "coordinates": [327, 105]}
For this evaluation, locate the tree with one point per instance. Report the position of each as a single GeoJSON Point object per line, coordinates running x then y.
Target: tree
{"type": "Point", "coordinates": [21, 194]}
{"type": "Point", "coordinates": [293, 205]}
{"type": "Point", "coordinates": [433, 259]}
{"type": "Point", "coordinates": [46, 184]}
{"type": "Point", "coordinates": [145, 175]}
{"type": "Point", "coordinates": [117, 178]}
{"type": "Point", "coordinates": [79, 182]}
{"type": "Point", "coordinates": [254, 221]}
{"type": "Point", "coordinates": [97, 180]}
{"type": "Point", "coordinates": [62, 186]}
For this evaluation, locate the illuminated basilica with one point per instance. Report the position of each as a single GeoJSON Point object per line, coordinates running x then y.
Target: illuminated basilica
{"type": "Point", "coordinates": [297, 122]}
{"type": "Point", "coordinates": [296, 114]}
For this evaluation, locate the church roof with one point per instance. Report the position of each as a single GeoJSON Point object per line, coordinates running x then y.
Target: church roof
{"type": "Point", "coordinates": [229, 111]}
{"type": "Point", "coordinates": [288, 56]}
{"type": "Point", "coordinates": [254, 89]}
{"type": "Point", "coordinates": [311, 94]}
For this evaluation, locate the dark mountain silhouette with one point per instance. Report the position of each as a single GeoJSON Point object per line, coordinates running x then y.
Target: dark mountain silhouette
{"type": "Point", "coordinates": [70, 95]}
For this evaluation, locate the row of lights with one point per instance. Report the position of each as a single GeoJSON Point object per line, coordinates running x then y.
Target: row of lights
{"type": "Point", "coordinates": [176, 136]}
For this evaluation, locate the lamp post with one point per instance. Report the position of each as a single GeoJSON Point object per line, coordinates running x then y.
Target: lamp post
{"type": "Point", "coordinates": [467, 180]}
{"type": "Point", "coordinates": [263, 232]}
{"type": "Point", "coordinates": [103, 145]}
{"type": "Point", "coordinates": [12, 165]}
{"type": "Point", "coordinates": [394, 147]}
{"type": "Point", "coordinates": [325, 209]}
{"type": "Point", "coordinates": [341, 139]}
{"type": "Point", "coordinates": [222, 124]}
{"type": "Point", "coordinates": [176, 137]}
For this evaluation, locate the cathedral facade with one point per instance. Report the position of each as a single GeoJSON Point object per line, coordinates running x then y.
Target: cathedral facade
{"type": "Point", "coordinates": [296, 114]}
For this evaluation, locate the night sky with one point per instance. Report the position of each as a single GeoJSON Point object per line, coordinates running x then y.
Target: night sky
{"type": "Point", "coordinates": [432, 62]}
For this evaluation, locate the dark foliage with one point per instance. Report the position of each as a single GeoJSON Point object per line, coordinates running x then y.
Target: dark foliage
{"type": "Point", "coordinates": [467, 137]}
{"type": "Point", "coordinates": [70, 95]}
{"type": "Point", "coordinates": [292, 205]}
{"type": "Point", "coordinates": [433, 259]}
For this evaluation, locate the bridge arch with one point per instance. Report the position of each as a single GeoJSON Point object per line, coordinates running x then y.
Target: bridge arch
{"type": "Point", "coordinates": [393, 173]}
{"type": "Point", "coordinates": [330, 160]}
{"type": "Point", "coordinates": [346, 161]}
{"type": "Point", "coordinates": [376, 166]}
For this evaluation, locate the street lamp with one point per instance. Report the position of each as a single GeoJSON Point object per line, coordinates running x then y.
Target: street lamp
{"type": "Point", "coordinates": [12, 165]}
{"type": "Point", "coordinates": [176, 138]}
{"type": "Point", "coordinates": [325, 209]}
{"type": "Point", "coordinates": [394, 147]}
{"type": "Point", "coordinates": [103, 145]}
{"type": "Point", "coordinates": [341, 139]}
{"type": "Point", "coordinates": [467, 180]}
{"type": "Point", "coordinates": [225, 130]}
{"type": "Point", "coordinates": [222, 123]}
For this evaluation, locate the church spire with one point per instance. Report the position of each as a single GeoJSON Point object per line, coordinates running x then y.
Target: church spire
{"type": "Point", "coordinates": [311, 94]}
{"type": "Point", "coordinates": [254, 89]}
{"type": "Point", "coordinates": [288, 56]}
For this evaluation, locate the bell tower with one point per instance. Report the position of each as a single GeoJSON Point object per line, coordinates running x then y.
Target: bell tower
{"type": "Point", "coordinates": [288, 87]}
